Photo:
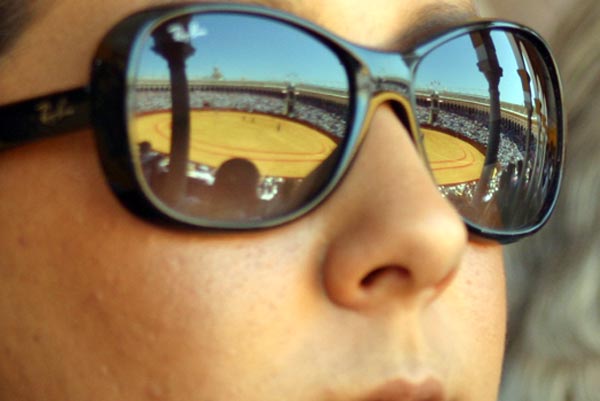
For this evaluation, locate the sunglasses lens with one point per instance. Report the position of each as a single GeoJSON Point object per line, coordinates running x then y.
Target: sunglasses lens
{"type": "Point", "coordinates": [488, 113]}
{"type": "Point", "coordinates": [231, 121]}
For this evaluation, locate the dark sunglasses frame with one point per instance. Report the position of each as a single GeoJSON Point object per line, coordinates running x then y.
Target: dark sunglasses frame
{"type": "Point", "coordinates": [103, 105]}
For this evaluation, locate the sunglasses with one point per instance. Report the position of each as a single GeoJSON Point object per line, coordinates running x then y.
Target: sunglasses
{"type": "Point", "coordinates": [233, 116]}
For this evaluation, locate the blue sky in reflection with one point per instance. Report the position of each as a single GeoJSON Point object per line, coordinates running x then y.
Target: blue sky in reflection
{"type": "Point", "coordinates": [453, 68]}
{"type": "Point", "coordinates": [244, 47]}
{"type": "Point", "coordinates": [252, 48]}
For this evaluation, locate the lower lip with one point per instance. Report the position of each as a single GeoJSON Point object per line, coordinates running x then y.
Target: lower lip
{"type": "Point", "coordinates": [403, 390]}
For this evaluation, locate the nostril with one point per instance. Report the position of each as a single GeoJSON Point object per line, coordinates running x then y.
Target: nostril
{"type": "Point", "coordinates": [385, 273]}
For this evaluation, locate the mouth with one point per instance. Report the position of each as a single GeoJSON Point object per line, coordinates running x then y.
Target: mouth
{"type": "Point", "coordinates": [429, 389]}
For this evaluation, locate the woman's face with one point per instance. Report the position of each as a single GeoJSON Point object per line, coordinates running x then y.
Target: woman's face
{"type": "Point", "coordinates": [378, 294]}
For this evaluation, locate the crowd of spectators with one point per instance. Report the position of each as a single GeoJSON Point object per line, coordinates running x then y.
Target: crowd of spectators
{"type": "Point", "coordinates": [326, 116]}
{"type": "Point", "coordinates": [331, 117]}
{"type": "Point", "coordinates": [473, 126]}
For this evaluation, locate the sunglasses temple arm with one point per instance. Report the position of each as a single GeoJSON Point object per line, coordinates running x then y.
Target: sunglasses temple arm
{"type": "Point", "coordinates": [43, 117]}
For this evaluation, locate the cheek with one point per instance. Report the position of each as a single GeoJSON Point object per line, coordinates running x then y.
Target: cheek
{"type": "Point", "coordinates": [480, 303]}
{"type": "Point", "coordinates": [190, 315]}
{"type": "Point", "coordinates": [483, 285]}
{"type": "Point", "coordinates": [104, 301]}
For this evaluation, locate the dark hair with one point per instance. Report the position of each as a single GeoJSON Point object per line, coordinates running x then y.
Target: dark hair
{"type": "Point", "coordinates": [14, 16]}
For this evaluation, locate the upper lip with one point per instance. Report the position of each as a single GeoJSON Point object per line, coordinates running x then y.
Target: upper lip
{"type": "Point", "coordinates": [427, 389]}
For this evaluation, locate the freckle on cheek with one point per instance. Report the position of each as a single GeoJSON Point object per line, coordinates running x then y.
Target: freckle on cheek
{"type": "Point", "coordinates": [23, 243]}
{"type": "Point", "coordinates": [155, 392]}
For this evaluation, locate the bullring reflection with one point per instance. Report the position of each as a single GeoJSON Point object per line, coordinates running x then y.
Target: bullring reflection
{"type": "Point", "coordinates": [206, 95]}
{"type": "Point", "coordinates": [249, 107]}
{"type": "Point", "coordinates": [489, 129]}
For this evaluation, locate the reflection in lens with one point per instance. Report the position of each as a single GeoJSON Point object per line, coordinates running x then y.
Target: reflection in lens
{"type": "Point", "coordinates": [234, 99]}
{"type": "Point", "coordinates": [485, 105]}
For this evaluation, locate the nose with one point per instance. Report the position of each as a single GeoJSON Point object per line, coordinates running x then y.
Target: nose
{"type": "Point", "coordinates": [390, 233]}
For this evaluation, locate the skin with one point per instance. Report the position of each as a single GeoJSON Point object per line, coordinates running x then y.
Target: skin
{"type": "Point", "coordinates": [378, 287]}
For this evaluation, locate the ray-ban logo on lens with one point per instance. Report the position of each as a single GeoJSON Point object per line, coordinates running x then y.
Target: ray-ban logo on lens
{"type": "Point", "coordinates": [53, 113]}
{"type": "Point", "coordinates": [179, 33]}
